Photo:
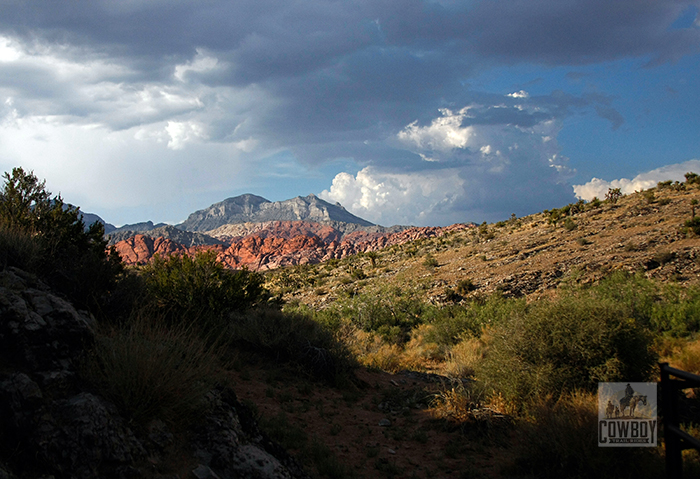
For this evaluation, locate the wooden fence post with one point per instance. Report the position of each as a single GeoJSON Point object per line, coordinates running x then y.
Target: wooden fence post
{"type": "Point", "coordinates": [674, 454]}
{"type": "Point", "coordinates": [675, 438]}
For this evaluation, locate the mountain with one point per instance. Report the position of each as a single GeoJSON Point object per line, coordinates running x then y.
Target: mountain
{"type": "Point", "coordinates": [250, 231]}
{"type": "Point", "coordinates": [137, 227]}
{"type": "Point", "coordinates": [90, 218]}
{"type": "Point", "coordinates": [184, 238]}
{"type": "Point", "coordinates": [256, 209]}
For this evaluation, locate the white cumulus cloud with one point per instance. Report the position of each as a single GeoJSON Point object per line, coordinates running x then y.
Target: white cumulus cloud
{"type": "Point", "coordinates": [597, 188]}
{"type": "Point", "coordinates": [182, 132]}
{"type": "Point", "coordinates": [444, 133]}
{"type": "Point", "coordinates": [396, 198]}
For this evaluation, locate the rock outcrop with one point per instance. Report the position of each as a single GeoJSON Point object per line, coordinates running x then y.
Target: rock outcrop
{"type": "Point", "coordinates": [176, 235]}
{"type": "Point", "coordinates": [282, 243]}
{"type": "Point", "coordinates": [54, 424]}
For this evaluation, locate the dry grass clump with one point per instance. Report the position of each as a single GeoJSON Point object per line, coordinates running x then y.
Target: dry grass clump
{"type": "Point", "coordinates": [421, 353]}
{"type": "Point", "coordinates": [681, 353]}
{"type": "Point", "coordinates": [456, 403]}
{"type": "Point", "coordinates": [372, 352]}
{"type": "Point", "coordinates": [463, 357]}
{"type": "Point", "coordinates": [150, 370]}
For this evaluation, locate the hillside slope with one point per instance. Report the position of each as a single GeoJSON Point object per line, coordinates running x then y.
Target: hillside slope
{"type": "Point", "coordinates": [530, 256]}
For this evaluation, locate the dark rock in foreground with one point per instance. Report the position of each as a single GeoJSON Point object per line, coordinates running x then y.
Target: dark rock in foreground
{"type": "Point", "coordinates": [55, 425]}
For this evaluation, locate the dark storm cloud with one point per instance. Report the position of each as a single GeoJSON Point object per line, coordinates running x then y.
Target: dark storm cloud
{"type": "Point", "coordinates": [583, 31]}
{"type": "Point", "coordinates": [332, 79]}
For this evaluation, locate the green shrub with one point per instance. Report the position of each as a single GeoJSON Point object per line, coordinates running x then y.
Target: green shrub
{"type": "Point", "coordinates": [573, 343]}
{"type": "Point", "coordinates": [692, 178]}
{"type": "Point", "coordinates": [693, 225]}
{"type": "Point", "coordinates": [679, 313]}
{"type": "Point", "coordinates": [451, 324]}
{"type": "Point", "coordinates": [393, 318]}
{"type": "Point", "coordinates": [635, 293]}
{"type": "Point", "coordinates": [569, 224]}
{"type": "Point", "coordinates": [48, 237]}
{"type": "Point", "coordinates": [294, 336]}
{"type": "Point", "coordinates": [18, 248]}
{"type": "Point", "coordinates": [185, 287]}
{"type": "Point", "coordinates": [430, 261]}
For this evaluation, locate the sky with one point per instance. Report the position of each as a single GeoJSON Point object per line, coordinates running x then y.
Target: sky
{"type": "Point", "coordinates": [412, 112]}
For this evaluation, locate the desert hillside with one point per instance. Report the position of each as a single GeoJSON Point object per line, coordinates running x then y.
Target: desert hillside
{"type": "Point", "coordinates": [531, 256]}
{"type": "Point", "coordinates": [455, 352]}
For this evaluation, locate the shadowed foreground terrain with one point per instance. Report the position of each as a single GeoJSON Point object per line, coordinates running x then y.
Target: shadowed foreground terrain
{"type": "Point", "coordinates": [473, 353]}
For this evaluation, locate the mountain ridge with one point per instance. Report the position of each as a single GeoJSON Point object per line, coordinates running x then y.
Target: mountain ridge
{"type": "Point", "coordinates": [249, 208]}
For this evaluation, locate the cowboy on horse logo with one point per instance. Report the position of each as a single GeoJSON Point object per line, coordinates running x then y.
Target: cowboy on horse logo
{"type": "Point", "coordinates": [627, 415]}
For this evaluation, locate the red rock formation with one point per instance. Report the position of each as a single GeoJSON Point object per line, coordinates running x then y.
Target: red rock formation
{"type": "Point", "coordinates": [140, 248]}
{"type": "Point", "coordinates": [282, 243]}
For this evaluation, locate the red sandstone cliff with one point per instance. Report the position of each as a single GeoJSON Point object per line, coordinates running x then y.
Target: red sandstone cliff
{"type": "Point", "coordinates": [280, 243]}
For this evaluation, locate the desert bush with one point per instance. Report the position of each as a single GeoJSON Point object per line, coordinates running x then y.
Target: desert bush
{"type": "Point", "coordinates": [430, 261]}
{"type": "Point", "coordinates": [463, 357]}
{"type": "Point", "coordinates": [456, 402]}
{"type": "Point", "coordinates": [18, 248]}
{"type": "Point", "coordinates": [152, 370]}
{"type": "Point", "coordinates": [685, 355]}
{"type": "Point", "coordinates": [649, 196]}
{"type": "Point", "coordinates": [420, 350]}
{"type": "Point", "coordinates": [558, 438]}
{"type": "Point", "coordinates": [692, 225]}
{"type": "Point", "coordinates": [569, 224]}
{"type": "Point", "coordinates": [48, 237]}
{"type": "Point", "coordinates": [451, 324]}
{"type": "Point", "coordinates": [678, 314]}
{"type": "Point", "coordinates": [186, 288]}
{"type": "Point", "coordinates": [595, 203]}
{"type": "Point", "coordinates": [552, 347]}
{"type": "Point", "coordinates": [452, 296]}
{"type": "Point", "coordinates": [356, 273]}
{"type": "Point", "coordinates": [465, 286]}
{"type": "Point", "coordinates": [635, 293]}
{"type": "Point", "coordinates": [372, 352]}
{"type": "Point", "coordinates": [392, 317]}
{"type": "Point", "coordinates": [293, 337]}
{"type": "Point", "coordinates": [692, 178]}
{"type": "Point", "coordinates": [613, 195]}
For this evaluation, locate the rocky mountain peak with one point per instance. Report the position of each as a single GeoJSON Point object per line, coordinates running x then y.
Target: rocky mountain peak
{"type": "Point", "coordinates": [255, 209]}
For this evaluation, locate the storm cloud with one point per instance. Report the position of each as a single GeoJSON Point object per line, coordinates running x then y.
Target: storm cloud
{"type": "Point", "coordinates": [160, 107]}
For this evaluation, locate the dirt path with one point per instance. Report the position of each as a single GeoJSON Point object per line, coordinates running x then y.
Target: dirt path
{"type": "Point", "coordinates": [381, 429]}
